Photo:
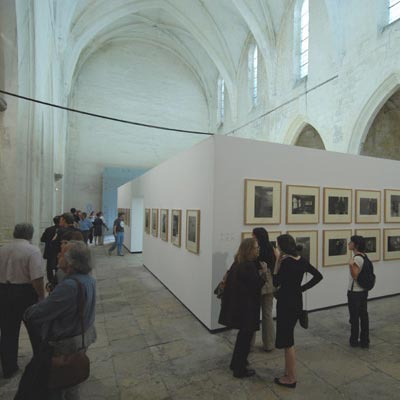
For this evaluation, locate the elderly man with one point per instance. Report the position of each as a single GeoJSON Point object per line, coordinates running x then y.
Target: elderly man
{"type": "Point", "coordinates": [21, 285]}
{"type": "Point", "coordinates": [56, 317]}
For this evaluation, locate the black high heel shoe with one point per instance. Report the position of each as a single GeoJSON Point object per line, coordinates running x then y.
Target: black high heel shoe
{"type": "Point", "coordinates": [288, 385]}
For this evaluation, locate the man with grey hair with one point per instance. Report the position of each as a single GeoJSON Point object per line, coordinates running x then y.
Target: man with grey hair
{"type": "Point", "coordinates": [56, 317]}
{"type": "Point", "coordinates": [21, 285]}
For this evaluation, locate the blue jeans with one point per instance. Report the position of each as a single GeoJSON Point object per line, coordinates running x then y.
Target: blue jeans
{"type": "Point", "coordinates": [119, 241]}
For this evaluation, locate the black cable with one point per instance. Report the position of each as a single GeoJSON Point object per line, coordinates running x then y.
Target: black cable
{"type": "Point", "coordinates": [124, 121]}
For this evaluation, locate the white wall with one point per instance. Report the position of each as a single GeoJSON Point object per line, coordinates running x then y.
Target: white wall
{"type": "Point", "coordinates": [184, 182]}
{"type": "Point", "coordinates": [237, 159]}
{"type": "Point", "coordinates": [125, 201]}
{"type": "Point", "coordinates": [210, 177]}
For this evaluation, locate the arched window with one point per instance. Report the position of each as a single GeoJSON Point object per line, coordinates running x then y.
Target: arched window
{"type": "Point", "coordinates": [253, 73]}
{"type": "Point", "coordinates": [394, 10]}
{"type": "Point", "coordinates": [221, 101]}
{"type": "Point", "coordinates": [304, 34]}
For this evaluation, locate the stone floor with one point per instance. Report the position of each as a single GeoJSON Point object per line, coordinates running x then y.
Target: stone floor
{"type": "Point", "coordinates": [150, 347]}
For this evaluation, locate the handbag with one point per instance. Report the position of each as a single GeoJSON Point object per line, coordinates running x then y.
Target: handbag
{"type": "Point", "coordinates": [219, 290]}
{"type": "Point", "coordinates": [303, 319]}
{"type": "Point", "coordinates": [68, 370]}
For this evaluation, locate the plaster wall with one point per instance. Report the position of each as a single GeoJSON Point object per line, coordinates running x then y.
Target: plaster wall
{"type": "Point", "coordinates": [352, 52]}
{"type": "Point", "coordinates": [8, 119]}
{"type": "Point", "coordinates": [298, 166]}
{"type": "Point", "coordinates": [217, 189]}
{"type": "Point", "coordinates": [148, 84]}
{"type": "Point", "coordinates": [183, 182]}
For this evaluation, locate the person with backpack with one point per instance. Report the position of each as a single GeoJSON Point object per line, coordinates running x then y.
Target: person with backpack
{"type": "Point", "coordinates": [361, 280]}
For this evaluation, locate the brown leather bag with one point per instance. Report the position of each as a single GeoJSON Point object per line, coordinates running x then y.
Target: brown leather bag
{"type": "Point", "coordinates": [69, 370]}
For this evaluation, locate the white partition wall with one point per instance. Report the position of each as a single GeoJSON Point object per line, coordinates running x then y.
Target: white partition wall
{"type": "Point", "coordinates": [210, 177]}
{"type": "Point", "coordinates": [184, 182]}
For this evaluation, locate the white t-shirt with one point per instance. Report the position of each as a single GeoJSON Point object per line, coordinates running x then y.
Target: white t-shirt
{"type": "Point", "coordinates": [356, 288]}
{"type": "Point", "coordinates": [20, 262]}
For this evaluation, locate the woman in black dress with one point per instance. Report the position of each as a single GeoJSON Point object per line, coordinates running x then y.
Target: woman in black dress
{"type": "Point", "coordinates": [240, 304]}
{"type": "Point", "coordinates": [288, 277]}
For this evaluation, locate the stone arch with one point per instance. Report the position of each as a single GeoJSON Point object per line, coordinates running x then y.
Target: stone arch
{"type": "Point", "coordinates": [309, 137]}
{"type": "Point", "coordinates": [370, 110]}
{"type": "Point", "coordinates": [383, 137]}
{"type": "Point", "coordinates": [301, 133]}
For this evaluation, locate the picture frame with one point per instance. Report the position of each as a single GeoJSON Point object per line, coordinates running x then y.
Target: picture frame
{"type": "Point", "coordinates": [164, 214]}
{"type": "Point", "coordinates": [302, 204]}
{"type": "Point", "coordinates": [368, 206]}
{"type": "Point", "coordinates": [271, 234]}
{"type": "Point", "coordinates": [309, 241]}
{"type": "Point", "coordinates": [391, 244]}
{"type": "Point", "coordinates": [262, 202]}
{"type": "Point", "coordinates": [147, 221]}
{"type": "Point", "coordinates": [193, 231]}
{"type": "Point", "coordinates": [176, 227]}
{"type": "Point", "coordinates": [392, 206]}
{"type": "Point", "coordinates": [335, 247]}
{"type": "Point", "coordinates": [372, 242]}
{"type": "Point", "coordinates": [337, 205]}
{"type": "Point", "coordinates": [154, 222]}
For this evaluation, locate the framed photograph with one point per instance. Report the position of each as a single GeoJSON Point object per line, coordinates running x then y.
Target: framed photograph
{"type": "Point", "coordinates": [302, 204]}
{"type": "Point", "coordinates": [176, 227]}
{"type": "Point", "coordinates": [392, 206]}
{"type": "Point", "coordinates": [147, 220]}
{"type": "Point", "coordinates": [372, 242]}
{"type": "Point", "coordinates": [337, 206]}
{"type": "Point", "coordinates": [262, 202]}
{"type": "Point", "coordinates": [368, 206]}
{"type": "Point", "coordinates": [335, 249]}
{"type": "Point", "coordinates": [309, 241]}
{"type": "Point", "coordinates": [154, 222]}
{"type": "Point", "coordinates": [164, 224]}
{"type": "Point", "coordinates": [391, 244]}
{"type": "Point", "coordinates": [193, 231]}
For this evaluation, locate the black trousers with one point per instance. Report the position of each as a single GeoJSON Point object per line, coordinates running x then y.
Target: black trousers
{"type": "Point", "coordinates": [14, 300]}
{"type": "Point", "coordinates": [241, 350]}
{"type": "Point", "coordinates": [357, 302]}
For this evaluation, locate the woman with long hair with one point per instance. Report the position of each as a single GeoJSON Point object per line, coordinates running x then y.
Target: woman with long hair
{"type": "Point", "coordinates": [267, 256]}
{"type": "Point", "coordinates": [288, 276]}
{"type": "Point", "coordinates": [240, 304]}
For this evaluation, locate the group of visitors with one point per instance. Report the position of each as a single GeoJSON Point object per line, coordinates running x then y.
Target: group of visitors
{"type": "Point", "coordinates": [53, 319]}
{"type": "Point", "coordinates": [259, 273]}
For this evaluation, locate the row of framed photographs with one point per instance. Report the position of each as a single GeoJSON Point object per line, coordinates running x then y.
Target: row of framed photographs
{"type": "Point", "coordinates": [335, 250]}
{"type": "Point", "coordinates": [263, 204]}
{"type": "Point", "coordinates": [152, 223]}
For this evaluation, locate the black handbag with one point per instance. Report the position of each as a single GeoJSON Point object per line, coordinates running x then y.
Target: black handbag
{"type": "Point", "coordinates": [69, 370]}
{"type": "Point", "coordinates": [303, 319]}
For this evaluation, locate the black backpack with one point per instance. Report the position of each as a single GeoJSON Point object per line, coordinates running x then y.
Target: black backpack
{"type": "Point", "coordinates": [366, 278]}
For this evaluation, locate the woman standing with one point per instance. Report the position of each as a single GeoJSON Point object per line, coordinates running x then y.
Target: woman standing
{"type": "Point", "coordinates": [56, 317]}
{"type": "Point", "coordinates": [240, 305]}
{"type": "Point", "coordinates": [288, 276]}
{"type": "Point", "coordinates": [98, 225]}
{"type": "Point", "coordinates": [267, 256]}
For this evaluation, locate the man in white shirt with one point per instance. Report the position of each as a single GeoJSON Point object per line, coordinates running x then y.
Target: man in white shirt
{"type": "Point", "coordinates": [21, 285]}
{"type": "Point", "coordinates": [357, 296]}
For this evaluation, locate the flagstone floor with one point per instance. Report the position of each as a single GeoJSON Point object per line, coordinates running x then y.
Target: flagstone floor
{"type": "Point", "coordinates": [150, 347]}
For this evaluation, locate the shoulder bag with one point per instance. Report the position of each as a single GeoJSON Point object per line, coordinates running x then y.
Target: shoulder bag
{"type": "Point", "coordinates": [67, 370]}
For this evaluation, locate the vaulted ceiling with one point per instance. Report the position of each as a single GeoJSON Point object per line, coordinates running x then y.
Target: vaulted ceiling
{"type": "Point", "coordinates": [205, 34]}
